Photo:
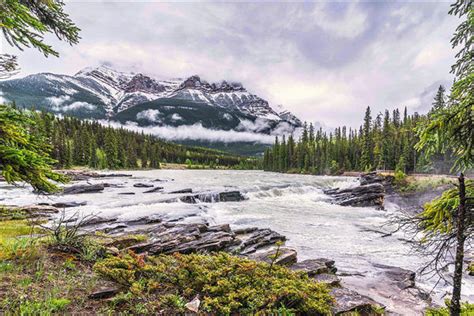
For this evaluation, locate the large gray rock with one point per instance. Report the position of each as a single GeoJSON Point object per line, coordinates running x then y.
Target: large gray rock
{"type": "Point", "coordinates": [371, 193]}
{"type": "Point", "coordinates": [143, 185]}
{"type": "Point", "coordinates": [313, 267]}
{"type": "Point", "coordinates": [84, 188]}
{"type": "Point", "coordinates": [400, 277]}
{"type": "Point", "coordinates": [348, 301]}
{"type": "Point", "coordinates": [370, 178]}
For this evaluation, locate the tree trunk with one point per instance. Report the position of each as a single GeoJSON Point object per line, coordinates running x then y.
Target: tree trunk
{"type": "Point", "coordinates": [457, 279]}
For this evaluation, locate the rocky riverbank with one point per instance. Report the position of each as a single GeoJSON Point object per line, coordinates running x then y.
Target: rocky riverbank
{"type": "Point", "coordinates": [395, 288]}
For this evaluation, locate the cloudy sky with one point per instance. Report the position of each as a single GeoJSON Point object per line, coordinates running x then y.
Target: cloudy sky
{"type": "Point", "coordinates": [323, 61]}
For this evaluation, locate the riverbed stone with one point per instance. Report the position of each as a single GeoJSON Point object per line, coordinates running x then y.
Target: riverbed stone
{"type": "Point", "coordinates": [281, 256]}
{"type": "Point", "coordinates": [348, 301]}
{"type": "Point", "coordinates": [156, 189]}
{"type": "Point", "coordinates": [371, 194]}
{"type": "Point", "coordinates": [84, 188]}
{"type": "Point", "coordinates": [313, 267]}
{"type": "Point", "coordinates": [327, 278]}
{"type": "Point", "coordinates": [104, 291]}
{"type": "Point", "coordinates": [188, 190]}
{"type": "Point", "coordinates": [68, 204]}
{"type": "Point", "coordinates": [143, 185]}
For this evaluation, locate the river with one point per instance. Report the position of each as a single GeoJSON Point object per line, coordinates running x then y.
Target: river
{"type": "Point", "coordinates": [293, 205]}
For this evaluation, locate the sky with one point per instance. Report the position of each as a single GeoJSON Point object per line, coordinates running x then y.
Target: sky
{"type": "Point", "coordinates": [324, 61]}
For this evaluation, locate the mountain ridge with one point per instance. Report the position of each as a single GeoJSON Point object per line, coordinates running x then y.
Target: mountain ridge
{"type": "Point", "coordinates": [105, 93]}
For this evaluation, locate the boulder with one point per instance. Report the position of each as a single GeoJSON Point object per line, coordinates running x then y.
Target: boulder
{"type": "Point", "coordinates": [68, 204]}
{"type": "Point", "coordinates": [105, 291]}
{"type": "Point", "coordinates": [182, 191]}
{"type": "Point", "coordinates": [258, 239]}
{"type": "Point", "coordinates": [86, 188]}
{"type": "Point", "coordinates": [286, 256]}
{"type": "Point", "coordinates": [314, 267]}
{"type": "Point", "coordinates": [241, 231]}
{"type": "Point", "coordinates": [157, 189]}
{"type": "Point", "coordinates": [370, 178]}
{"type": "Point", "coordinates": [327, 278]}
{"type": "Point", "coordinates": [348, 301]}
{"type": "Point", "coordinates": [402, 278]}
{"type": "Point", "coordinates": [36, 209]}
{"type": "Point", "coordinates": [96, 220]}
{"type": "Point", "coordinates": [216, 228]}
{"type": "Point", "coordinates": [371, 194]}
{"type": "Point", "coordinates": [145, 220]}
{"type": "Point", "coordinates": [231, 196]}
{"type": "Point", "coordinates": [143, 185]}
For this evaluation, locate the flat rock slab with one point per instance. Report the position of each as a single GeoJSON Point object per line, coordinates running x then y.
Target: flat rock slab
{"type": "Point", "coordinates": [157, 189]}
{"type": "Point", "coordinates": [313, 267]}
{"type": "Point", "coordinates": [37, 208]}
{"type": "Point", "coordinates": [79, 189]}
{"type": "Point", "coordinates": [181, 191]}
{"type": "Point", "coordinates": [349, 301]}
{"type": "Point", "coordinates": [284, 256]}
{"type": "Point", "coordinates": [370, 192]}
{"type": "Point", "coordinates": [105, 291]}
{"type": "Point", "coordinates": [393, 287]}
{"type": "Point", "coordinates": [402, 278]}
{"type": "Point", "coordinates": [68, 204]}
{"type": "Point", "coordinates": [143, 185]}
{"type": "Point", "coordinates": [327, 278]}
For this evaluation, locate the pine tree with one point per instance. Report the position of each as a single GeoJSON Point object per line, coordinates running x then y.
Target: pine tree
{"type": "Point", "coordinates": [367, 154]}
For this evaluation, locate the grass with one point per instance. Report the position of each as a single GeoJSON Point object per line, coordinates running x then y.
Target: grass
{"type": "Point", "coordinates": [35, 281]}
{"type": "Point", "coordinates": [414, 184]}
{"type": "Point", "coordinates": [467, 309]}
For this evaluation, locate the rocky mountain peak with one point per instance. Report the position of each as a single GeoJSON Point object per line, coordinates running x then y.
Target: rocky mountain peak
{"type": "Point", "coordinates": [144, 84]}
{"type": "Point", "coordinates": [193, 82]}
{"type": "Point", "coordinates": [106, 75]}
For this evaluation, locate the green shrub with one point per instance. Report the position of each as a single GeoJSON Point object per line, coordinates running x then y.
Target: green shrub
{"type": "Point", "coordinates": [467, 309]}
{"type": "Point", "coordinates": [225, 283]}
{"type": "Point", "coordinates": [400, 178]}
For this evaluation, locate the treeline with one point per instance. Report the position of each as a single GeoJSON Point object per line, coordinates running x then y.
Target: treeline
{"type": "Point", "coordinates": [386, 141]}
{"type": "Point", "coordinates": [76, 142]}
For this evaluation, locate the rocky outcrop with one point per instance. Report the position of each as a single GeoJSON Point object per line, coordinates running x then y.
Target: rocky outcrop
{"type": "Point", "coordinates": [392, 287]}
{"type": "Point", "coordinates": [349, 301]}
{"type": "Point", "coordinates": [207, 197]}
{"type": "Point", "coordinates": [370, 192]}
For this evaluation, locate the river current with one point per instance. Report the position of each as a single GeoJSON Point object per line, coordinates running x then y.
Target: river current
{"type": "Point", "coordinates": [292, 205]}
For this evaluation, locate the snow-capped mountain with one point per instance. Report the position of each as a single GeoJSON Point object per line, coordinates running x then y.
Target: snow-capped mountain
{"type": "Point", "coordinates": [104, 93]}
